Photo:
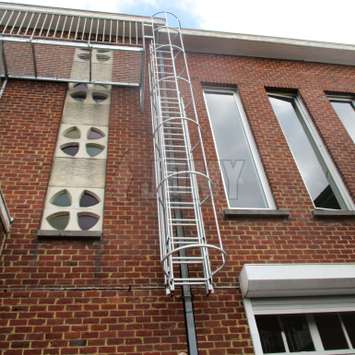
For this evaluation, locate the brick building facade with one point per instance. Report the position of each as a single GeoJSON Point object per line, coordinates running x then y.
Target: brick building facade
{"type": "Point", "coordinates": [78, 295]}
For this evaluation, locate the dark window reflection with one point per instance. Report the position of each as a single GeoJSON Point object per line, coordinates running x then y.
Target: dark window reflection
{"type": "Point", "coordinates": [88, 199]}
{"type": "Point", "coordinates": [346, 114]}
{"type": "Point", "coordinates": [304, 154]}
{"type": "Point", "coordinates": [239, 171]}
{"type": "Point", "coordinates": [349, 322]}
{"type": "Point", "coordinates": [297, 333]}
{"type": "Point", "coordinates": [330, 331]}
{"type": "Point", "coordinates": [70, 149]}
{"type": "Point", "coordinates": [87, 221]}
{"type": "Point", "coordinates": [270, 334]}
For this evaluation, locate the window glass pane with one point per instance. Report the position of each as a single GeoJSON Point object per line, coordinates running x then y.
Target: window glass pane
{"type": "Point", "coordinates": [70, 149]}
{"type": "Point", "coordinates": [349, 322]}
{"type": "Point", "coordinates": [62, 198]}
{"type": "Point", "coordinates": [304, 154]}
{"type": "Point", "coordinates": [330, 331]}
{"type": "Point", "coordinates": [297, 333]}
{"type": "Point", "coordinates": [94, 149]}
{"type": "Point", "coordinates": [72, 132]}
{"type": "Point", "coordinates": [346, 113]}
{"type": "Point", "coordinates": [88, 199]}
{"type": "Point", "coordinates": [270, 334]}
{"type": "Point", "coordinates": [95, 133]}
{"type": "Point", "coordinates": [239, 171]}
{"type": "Point", "coordinates": [87, 221]}
{"type": "Point", "coordinates": [99, 97]}
{"type": "Point", "coordinates": [59, 221]}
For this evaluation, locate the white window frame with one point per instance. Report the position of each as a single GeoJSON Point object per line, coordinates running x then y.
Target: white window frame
{"type": "Point", "coordinates": [342, 98]}
{"type": "Point", "coordinates": [254, 151]}
{"type": "Point", "coordinates": [341, 192]}
{"type": "Point", "coordinates": [337, 306]}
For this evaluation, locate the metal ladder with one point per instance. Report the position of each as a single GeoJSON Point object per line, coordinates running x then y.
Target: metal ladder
{"type": "Point", "coordinates": [184, 189]}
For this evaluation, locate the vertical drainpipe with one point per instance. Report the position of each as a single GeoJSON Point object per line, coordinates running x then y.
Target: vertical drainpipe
{"type": "Point", "coordinates": [190, 326]}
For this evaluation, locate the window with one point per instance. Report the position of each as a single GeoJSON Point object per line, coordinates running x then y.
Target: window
{"type": "Point", "coordinates": [319, 173]}
{"type": "Point", "coordinates": [300, 308]}
{"type": "Point", "coordinates": [243, 177]}
{"type": "Point", "coordinates": [345, 109]}
{"type": "Point", "coordinates": [314, 333]}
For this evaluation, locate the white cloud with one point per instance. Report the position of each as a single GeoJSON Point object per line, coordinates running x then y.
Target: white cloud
{"type": "Point", "coordinates": [326, 20]}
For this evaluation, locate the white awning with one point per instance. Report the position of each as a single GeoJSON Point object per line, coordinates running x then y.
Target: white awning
{"type": "Point", "coordinates": [290, 280]}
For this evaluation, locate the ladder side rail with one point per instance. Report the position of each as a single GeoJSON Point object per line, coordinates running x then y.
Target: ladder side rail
{"type": "Point", "coordinates": [203, 156]}
{"type": "Point", "coordinates": [197, 209]}
{"type": "Point", "coordinates": [193, 179]}
{"type": "Point", "coordinates": [160, 192]}
{"type": "Point", "coordinates": [161, 224]}
{"type": "Point", "coordinates": [179, 99]}
{"type": "Point", "coordinates": [167, 239]}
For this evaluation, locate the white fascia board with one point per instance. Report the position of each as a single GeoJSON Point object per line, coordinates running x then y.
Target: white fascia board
{"type": "Point", "coordinates": [288, 280]}
{"type": "Point", "coordinates": [5, 218]}
{"type": "Point", "coordinates": [211, 42]}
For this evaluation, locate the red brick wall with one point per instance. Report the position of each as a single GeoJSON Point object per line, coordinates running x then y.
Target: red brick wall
{"type": "Point", "coordinates": [221, 323]}
{"type": "Point", "coordinates": [120, 275]}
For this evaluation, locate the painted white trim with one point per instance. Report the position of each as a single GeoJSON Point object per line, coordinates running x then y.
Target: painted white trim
{"type": "Point", "coordinates": [320, 150]}
{"type": "Point", "coordinates": [252, 144]}
{"type": "Point", "coordinates": [258, 350]}
{"type": "Point", "coordinates": [303, 305]}
{"type": "Point", "coordinates": [287, 280]}
{"type": "Point", "coordinates": [249, 306]}
{"type": "Point", "coordinates": [347, 99]}
{"type": "Point", "coordinates": [4, 214]}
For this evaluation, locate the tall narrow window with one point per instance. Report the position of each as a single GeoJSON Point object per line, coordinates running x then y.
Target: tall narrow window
{"type": "Point", "coordinates": [243, 176]}
{"type": "Point", "coordinates": [345, 109]}
{"type": "Point", "coordinates": [319, 174]}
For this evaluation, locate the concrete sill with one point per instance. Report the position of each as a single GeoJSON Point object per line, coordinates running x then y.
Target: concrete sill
{"type": "Point", "coordinates": [79, 235]}
{"type": "Point", "coordinates": [234, 213]}
{"type": "Point", "coordinates": [333, 214]}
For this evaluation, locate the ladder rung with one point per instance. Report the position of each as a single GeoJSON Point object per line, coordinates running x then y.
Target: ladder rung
{"type": "Point", "coordinates": [181, 208]}
{"type": "Point", "coordinates": [181, 203]}
{"type": "Point", "coordinates": [179, 159]}
{"type": "Point", "coordinates": [182, 224]}
{"type": "Point", "coordinates": [187, 261]}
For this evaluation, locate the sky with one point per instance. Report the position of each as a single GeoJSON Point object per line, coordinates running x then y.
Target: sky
{"type": "Point", "coordinates": [319, 20]}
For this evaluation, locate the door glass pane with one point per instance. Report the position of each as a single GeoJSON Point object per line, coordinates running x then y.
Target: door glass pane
{"type": "Point", "coordinates": [346, 114]}
{"type": "Point", "coordinates": [304, 154]}
{"type": "Point", "coordinates": [270, 334]}
{"type": "Point", "coordinates": [330, 331]}
{"type": "Point", "coordinates": [297, 333]}
{"type": "Point", "coordinates": [240, 174]}
{"type": "Point", "coordinates": [349, 322]}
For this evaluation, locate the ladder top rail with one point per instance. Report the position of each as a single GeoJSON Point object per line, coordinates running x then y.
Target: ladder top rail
{"type": "Point", "coordinates": [199, 245]}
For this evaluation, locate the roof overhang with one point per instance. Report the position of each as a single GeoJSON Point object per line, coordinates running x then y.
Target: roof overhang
{"type": "Point", "coordinates": [289, 280]}
{"type": "Point", "coordinates": [268, 47]}
{"type": "Point", "coordinates": [214, 42]}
